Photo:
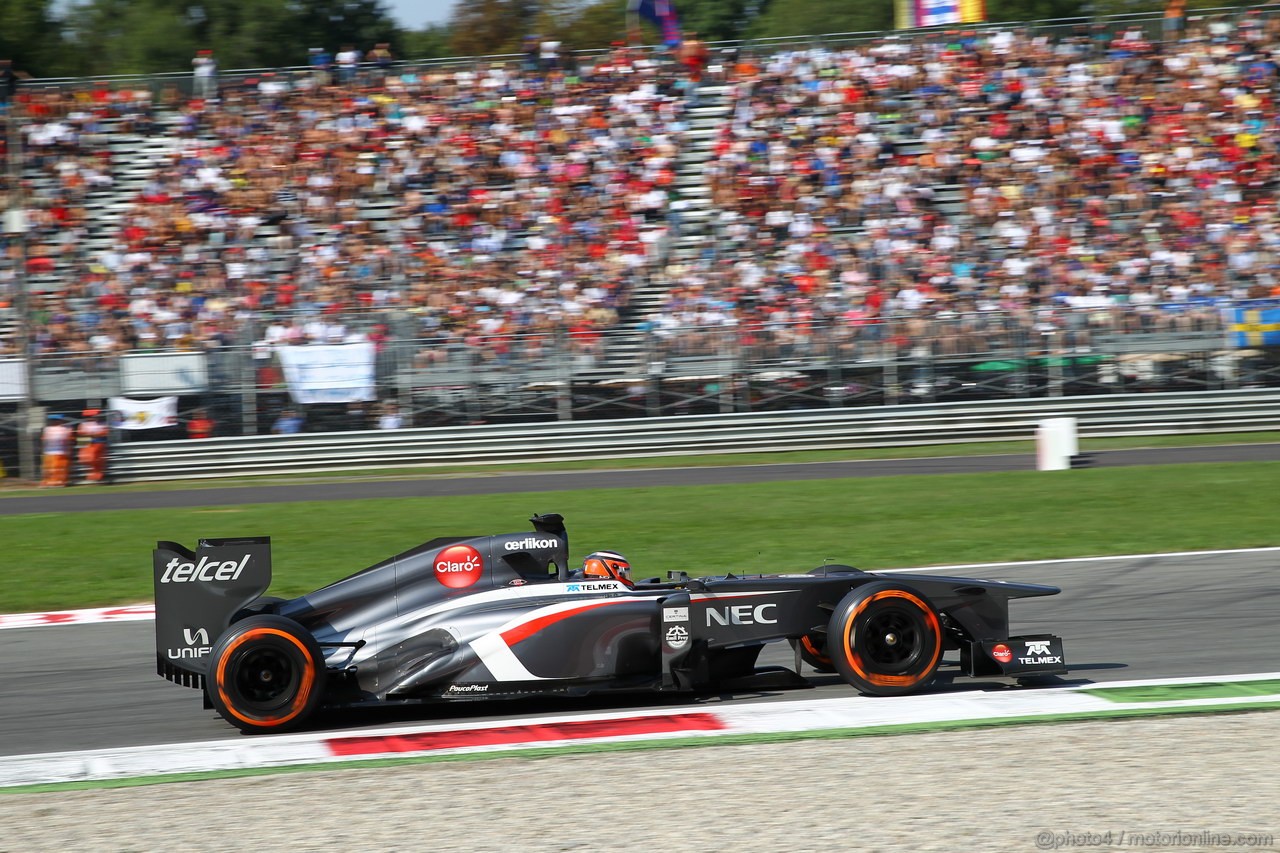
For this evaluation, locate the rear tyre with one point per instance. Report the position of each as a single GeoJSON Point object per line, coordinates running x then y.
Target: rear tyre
{"type": "Point", "coordinates": [266, 674]}
{"type": "Point", "coordinates": [885, 639]}
{"type": "Point", "coordinates": [813, 651]}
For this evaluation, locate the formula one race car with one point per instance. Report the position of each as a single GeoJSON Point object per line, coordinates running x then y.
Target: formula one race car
{"type": "Point", "coordinates": [463, 618]}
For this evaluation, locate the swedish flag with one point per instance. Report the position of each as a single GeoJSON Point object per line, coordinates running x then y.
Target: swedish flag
{"type": "Point", "coordinates": [1255, 327]}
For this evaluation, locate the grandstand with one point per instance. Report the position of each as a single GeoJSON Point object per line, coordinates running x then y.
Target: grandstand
{"type": "Point", "coordinates": [829, 222]}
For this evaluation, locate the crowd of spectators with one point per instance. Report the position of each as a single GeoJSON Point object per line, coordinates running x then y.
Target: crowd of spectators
{"type": "Point", "coordinates": [1100, 170]}
{"type": "Point", "coordinates": [943, 178]}
{"type": "Point", "coordinates": [509, 199]}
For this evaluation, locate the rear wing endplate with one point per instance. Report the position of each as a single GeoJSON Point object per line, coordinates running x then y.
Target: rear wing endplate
{"type": "Point", "coordinates": [198, 593]}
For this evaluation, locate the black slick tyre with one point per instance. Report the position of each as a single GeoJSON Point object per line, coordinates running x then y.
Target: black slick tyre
{"type": "Point", "coordinates": [885, 639]}
{"type": "Point", "coordinates": [266, 674]}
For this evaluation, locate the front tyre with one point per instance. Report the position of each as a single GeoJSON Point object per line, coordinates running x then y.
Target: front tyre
{"type": "Point", "coordinates": [885, 639]}
{"type": "Point", "coordinates": [266, 674]}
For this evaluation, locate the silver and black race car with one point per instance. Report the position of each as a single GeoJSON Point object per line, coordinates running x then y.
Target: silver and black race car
{"type": "Point", "coordinates": [465, 618]}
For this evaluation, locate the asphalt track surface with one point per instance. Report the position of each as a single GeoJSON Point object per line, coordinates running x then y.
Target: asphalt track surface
{"type": "Point", "coordinates": [93, 686]}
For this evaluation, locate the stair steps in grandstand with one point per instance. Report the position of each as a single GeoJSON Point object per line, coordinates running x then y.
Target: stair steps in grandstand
{"type": "Point", "coordinates": [377, 211]}
{"type": "Point", "coordinates": [703, 135]}
{"type": "Point", "coordinates": [691, 182]}
{"type": "Point", "coordinates": [8, 327]}
{"type": "Point", "coordinates": [704, 123]}
{"type": "Point", "coordinates": [948, 199]}
{"type": "Point", "coordinates": [910, 147]}
{"type": "Point", "coordinates": [377, 208]}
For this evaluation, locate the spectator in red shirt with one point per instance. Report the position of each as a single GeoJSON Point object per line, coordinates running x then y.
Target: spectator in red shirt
{"type": "Point", "coordinates": [200, 425]}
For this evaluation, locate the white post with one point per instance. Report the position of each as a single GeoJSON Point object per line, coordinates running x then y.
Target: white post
{"type": "Point", "coordinates": [1056, 443]}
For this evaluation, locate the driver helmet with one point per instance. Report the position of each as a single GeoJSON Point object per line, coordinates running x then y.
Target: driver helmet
{"type": "Point", "coordinates": [606, 564]}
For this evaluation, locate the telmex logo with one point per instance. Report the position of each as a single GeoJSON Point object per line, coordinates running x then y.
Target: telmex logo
{"type": "Point", "coordinates": [177, 571]}
{"type": "Point", "coordinates": [529, 543]}
{"type": "Point", "coordinates": [1038, 654]}
{"type": "Point", "coordinates": [458, 566]}
{"type": "Point", "coordinates": [741, 614]}
{"type": "Point", "coordinates": [1040, 661]}
{"type": "Point", "coordinates": [596, 586]}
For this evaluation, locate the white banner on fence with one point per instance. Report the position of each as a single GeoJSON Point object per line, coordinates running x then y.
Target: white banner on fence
{"type": "Point", "coordinates": [151, 374]}
{"type": "Point", "coordinates": [338, 373]}
{"type": "Point", "coordinates": [145, 414]}
{"type": "Point", "coordinates": [13, 379]}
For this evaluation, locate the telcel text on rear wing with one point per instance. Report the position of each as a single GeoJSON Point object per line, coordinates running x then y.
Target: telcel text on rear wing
{"type": "Point", "coordinates": [198, 593]}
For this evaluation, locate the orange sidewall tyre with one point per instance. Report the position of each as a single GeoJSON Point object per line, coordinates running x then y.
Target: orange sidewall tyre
{"type": "Point", "coordinates": [885, 639]}
{"type": "Point", "coordinates": [266, 674]}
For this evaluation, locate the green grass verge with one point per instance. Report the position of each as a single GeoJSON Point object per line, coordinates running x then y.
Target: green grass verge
{"type": "Point", "coordinates": [1176, 692]}
{"type": "Point", "coordinates": [62, 560]}
{"type": "Point", "coordinates": [637, 746]}
{"type": "Point", "coordinates": [18, 489]}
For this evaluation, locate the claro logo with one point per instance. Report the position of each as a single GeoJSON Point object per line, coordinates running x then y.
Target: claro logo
{"type": "Point", "coordinates": [458, 566]}
{"type": "Point", "coordinates": [529, 543]}
{"type": "Point", "coordinates": [742, 614]}
{"type": "Point", "coordinates": [177, 571]}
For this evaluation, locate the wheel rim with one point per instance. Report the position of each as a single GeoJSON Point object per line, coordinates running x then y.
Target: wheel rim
{"type": "Point", "coordinates": [893, 640]}
{"type": "Point", "coordinates": [266, 678]}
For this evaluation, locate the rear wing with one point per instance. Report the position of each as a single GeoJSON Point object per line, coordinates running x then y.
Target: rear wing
{"type": "Point", "coordinates": [197, 594]}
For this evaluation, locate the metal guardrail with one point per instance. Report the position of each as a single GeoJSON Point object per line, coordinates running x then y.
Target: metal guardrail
{"type": "Point", "coordinates": [812, 429]}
